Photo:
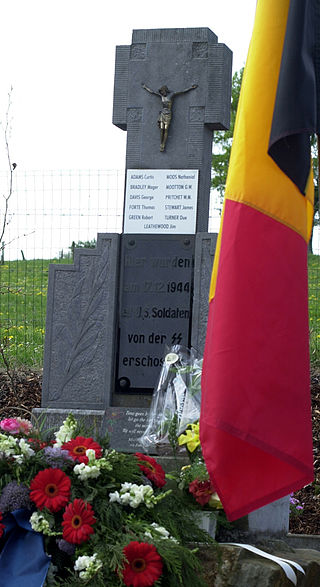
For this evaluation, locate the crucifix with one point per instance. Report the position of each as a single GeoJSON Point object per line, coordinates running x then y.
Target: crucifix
{"type": "Point", "coordinates": [165, 114]}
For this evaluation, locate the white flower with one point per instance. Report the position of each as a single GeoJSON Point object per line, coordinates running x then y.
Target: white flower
{"type": "Point", "coordinates": [127, 486]}
{"type": "Point", "coordinates": [39, 523]}
{"type": "Point", "coordinates": [18, 459]}
{"type": "Point", "coordinates": [103, 464]}
{"type": "Point", "coordinates": [134, 502]}
{"type": "Point", "coordinates": [86, 471]}
{"type": "Point", "coordinates": [133, 495]}
{"type": "Point", "coordinates": [26, 451]}
{"type": "Point", "coordinates": [91, 454]}
{"type": "Point", "coordinates": [159, 532]}
{"type": "Point", "coordinates": [83, 562]}
{"type": "Point", "coordinates": [115, 496]}
{"type": "Point", "coordinates": [25, 448]}
{"type": "Point", "coordinates": [92, 469]}
{"type": "Point", "coordinates": [66, 431]}
{"type": "Point", "coordinates": [8, 446]}
{"type": "Point", "coordinates": [87, 566]}
{"type": "Point", "coordinates": [126, 499]}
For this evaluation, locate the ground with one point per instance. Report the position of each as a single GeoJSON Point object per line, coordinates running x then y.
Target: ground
{"type": "Point", "coordinates": [26, 394]}
{"type": "Point", "coordinates": [308, 522]}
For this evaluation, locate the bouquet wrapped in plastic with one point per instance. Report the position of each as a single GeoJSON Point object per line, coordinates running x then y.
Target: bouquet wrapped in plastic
{"type": "Point", "coordinates": [176, 399]}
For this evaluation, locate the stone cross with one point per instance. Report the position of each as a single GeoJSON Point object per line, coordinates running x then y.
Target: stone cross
{"type": "Point", "coordinates": [177, 59]}
{"type": "Point", "coordinates": [111, 313]}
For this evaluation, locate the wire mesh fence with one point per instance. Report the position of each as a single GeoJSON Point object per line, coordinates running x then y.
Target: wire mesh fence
{"type": "Point", "coordinates": [50, 212]}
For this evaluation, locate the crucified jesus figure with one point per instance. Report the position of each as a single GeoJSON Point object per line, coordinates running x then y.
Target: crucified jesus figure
{"type": "Point", "coordinates": [165, 114]}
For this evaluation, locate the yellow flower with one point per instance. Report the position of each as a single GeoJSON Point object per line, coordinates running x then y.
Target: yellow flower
{"type": "Point", "coordinates": [214, 502]}
{"type": "Point", "coordinates": [190, 437]}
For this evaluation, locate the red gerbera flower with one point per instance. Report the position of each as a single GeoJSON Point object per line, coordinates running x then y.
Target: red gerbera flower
{"type": "Point", "coordinates": [152, 469]}
{"type": "Point", "coordinates": [144, 566]}
{"type": "Point", "coordinates": [77, 522]}
{"type": "Point", "coordinates": [2, 526]}
{"type": "Point", "coordinates": [50, 488]}
{"type": "Point", "coordinates": [201, 491]}
{"type": "Point", "coordinates": [77, 448]}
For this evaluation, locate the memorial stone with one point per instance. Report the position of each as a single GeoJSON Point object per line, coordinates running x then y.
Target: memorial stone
{"type": "Point", "coordinates": [111, 315]}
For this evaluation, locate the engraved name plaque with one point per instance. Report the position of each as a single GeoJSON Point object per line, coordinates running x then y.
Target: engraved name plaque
{"type": "Point", "coordinates": [161, 201]}
{"type": "Point", "coordinates": [155, 304]}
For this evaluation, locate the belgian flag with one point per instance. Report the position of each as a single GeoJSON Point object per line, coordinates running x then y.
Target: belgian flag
{"type": "Point", "coordinates": [255, 424]}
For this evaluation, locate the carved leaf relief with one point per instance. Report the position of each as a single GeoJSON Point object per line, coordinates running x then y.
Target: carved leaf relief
{"type": "Point", "coordinates": [78, 337]}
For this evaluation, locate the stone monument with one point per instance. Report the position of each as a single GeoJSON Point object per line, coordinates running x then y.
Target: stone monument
{"type": "Point", "coordinates": [111, 314]}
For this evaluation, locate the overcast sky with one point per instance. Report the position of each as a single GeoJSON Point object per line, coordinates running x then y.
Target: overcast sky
{"type": "Point", "coordinates": [59, 57]}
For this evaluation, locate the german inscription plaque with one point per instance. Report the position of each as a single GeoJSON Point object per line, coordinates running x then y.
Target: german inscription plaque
{"type": "Point", "coordinates": [155, 304]}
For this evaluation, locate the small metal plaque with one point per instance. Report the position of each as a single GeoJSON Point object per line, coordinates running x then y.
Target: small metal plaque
{"type": "Point", "coordinates": [155, 304]}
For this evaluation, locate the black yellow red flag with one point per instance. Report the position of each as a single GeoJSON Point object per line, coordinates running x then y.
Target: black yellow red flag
{"type": "Point", "coordinates": [255, 424]}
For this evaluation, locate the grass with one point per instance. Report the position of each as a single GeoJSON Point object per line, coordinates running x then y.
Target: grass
{"type": "Point", "coordinates": [23, 296]}
{"type": "Point", "coordinates": [314, 307]}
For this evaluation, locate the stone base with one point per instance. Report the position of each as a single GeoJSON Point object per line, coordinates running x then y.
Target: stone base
{"type": "Point", "coordinates": [306, 541]}
{"type": "Point", "coordinates": [231, 566]}
{"type": "Point", "coordinates": [272, 519]}
{"type": "Point", "coordinates": [206, 521]}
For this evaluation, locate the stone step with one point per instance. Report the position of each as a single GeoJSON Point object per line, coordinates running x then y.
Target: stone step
{"type": "Point", "coordinates": [231, 566]}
